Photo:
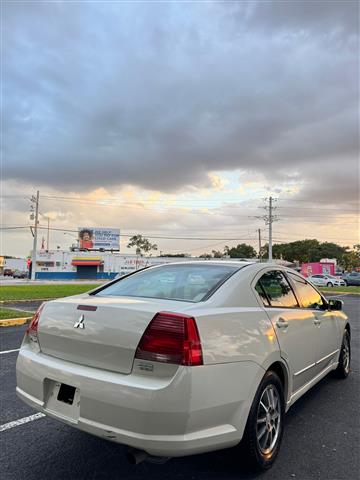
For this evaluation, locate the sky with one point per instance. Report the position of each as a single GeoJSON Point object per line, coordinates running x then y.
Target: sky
{"type": "Point", "coordinates": [178, 119]}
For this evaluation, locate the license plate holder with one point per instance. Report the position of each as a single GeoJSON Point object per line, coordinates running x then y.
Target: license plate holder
{"type": "Point", "coordinates": [66, 394]}
{"type": "Point", "coordinates": [62, 400]}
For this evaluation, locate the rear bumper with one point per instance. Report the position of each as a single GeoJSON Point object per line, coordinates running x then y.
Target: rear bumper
{"type": "Point", "coordinates": [199, 409]}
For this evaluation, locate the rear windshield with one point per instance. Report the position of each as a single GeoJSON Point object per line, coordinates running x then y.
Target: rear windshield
{"type": "Point", "coordinates": [190, 283]}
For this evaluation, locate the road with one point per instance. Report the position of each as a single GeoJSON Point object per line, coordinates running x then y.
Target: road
{"type": "Point", "coordinates": [321, 438]}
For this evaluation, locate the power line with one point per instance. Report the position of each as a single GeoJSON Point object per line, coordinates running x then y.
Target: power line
{"type": "Point", "coordinates": [40, 227]}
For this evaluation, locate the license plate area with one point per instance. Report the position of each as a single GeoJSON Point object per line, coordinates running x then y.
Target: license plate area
{"type": "Point", "coordinates": [66, 394]}
{"type": "Point", "coordinates": [62, 400]}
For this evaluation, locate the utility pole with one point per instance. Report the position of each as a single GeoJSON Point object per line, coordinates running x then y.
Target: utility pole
{"type": "Point", "coordinates": [35, 200]}
{"type": "Point", "coordinates": [48, 234]}
{"type": "Point", "coordinates": [269, 219]}
{"type": "Point", "coordinates": [259, 233]}
{"type": "Point", "coordinates": [270, 227]}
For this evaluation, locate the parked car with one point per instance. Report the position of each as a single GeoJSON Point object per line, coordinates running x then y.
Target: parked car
{"type": "Point", "coordinates": [20, 274]}
{"type": "Point", "coordinates": [321, 280]}
{"type": "Point", "coordinates": [8, 272]}
{"type": "Point", "coordinates": [184, 358]}
{"type": "Point", "coordinates": [352, 279]}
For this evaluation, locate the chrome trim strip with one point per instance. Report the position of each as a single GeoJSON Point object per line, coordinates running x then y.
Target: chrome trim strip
{"type": "Point", "coordinates": [313, 381]}
{"type": "Point", "coordinates": [327, 356]}
{"type": "Point", "coordinates": [304, 369]}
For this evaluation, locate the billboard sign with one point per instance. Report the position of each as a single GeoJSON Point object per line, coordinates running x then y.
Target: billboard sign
{"type": "Point", "coordinates": [93, 238]}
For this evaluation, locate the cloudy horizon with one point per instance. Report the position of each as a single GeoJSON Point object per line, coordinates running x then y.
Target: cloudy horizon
{"type": "Point", "coordinates": [177, 119]}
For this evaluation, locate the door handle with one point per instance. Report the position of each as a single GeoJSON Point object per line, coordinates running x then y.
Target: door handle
{"type": "Point", "coordinates": [317, 321]}
{"type": "Point", "coordinates": [281, 323]}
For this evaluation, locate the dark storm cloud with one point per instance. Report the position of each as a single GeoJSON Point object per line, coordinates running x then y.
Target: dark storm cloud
{"type": "Point", "coordinates": [158, 95]}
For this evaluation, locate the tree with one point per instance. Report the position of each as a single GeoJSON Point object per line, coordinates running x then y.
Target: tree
{"type": "Point", "coordinates": [205, 255]}
{"type": "Point", "coordinates": [242, 250]}
{"type": "Point", "coordinates": [304, 251]}
{"type": "Point", "coordinates": [217, 254]}
{"type": "Point", "coordinates": [351, 258]}
{"type": "Point", "coordinates": [142, 244]}
{"type": "Point", "coordinates": [331, 250]}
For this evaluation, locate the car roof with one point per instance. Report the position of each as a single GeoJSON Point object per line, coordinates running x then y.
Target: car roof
{"type": "Point", "coordinates": [240, 264]}
{"type": "Point", "coordinates": [231, 263]}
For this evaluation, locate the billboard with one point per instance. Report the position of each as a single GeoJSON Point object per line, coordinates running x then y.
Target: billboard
{"type": "Point", "coordinates": [93, 238]}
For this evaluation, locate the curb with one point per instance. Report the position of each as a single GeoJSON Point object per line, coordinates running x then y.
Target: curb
{"type": "Point", "coordinates": [13, 322]}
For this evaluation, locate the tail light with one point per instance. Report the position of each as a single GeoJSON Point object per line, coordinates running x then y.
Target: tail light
{"type": "Point", "coordinates": [171, 338]}
{"type": "Point", "coordinates": [33, 326]}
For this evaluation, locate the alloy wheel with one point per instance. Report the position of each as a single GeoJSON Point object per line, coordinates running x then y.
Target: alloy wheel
{"type": "Point", "coordinates": [346, 355]}
{"type": "Point", "coordinates": [268, 420]}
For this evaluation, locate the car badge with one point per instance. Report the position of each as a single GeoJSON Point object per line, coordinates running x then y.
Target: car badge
{"type": "Point", "coordinates": [80, 323]}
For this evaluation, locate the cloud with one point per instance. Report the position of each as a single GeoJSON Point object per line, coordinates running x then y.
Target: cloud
{"type": "Point", "coordinates": [102, 95]}
{"type": "Point", "coordinates": [164, 101]}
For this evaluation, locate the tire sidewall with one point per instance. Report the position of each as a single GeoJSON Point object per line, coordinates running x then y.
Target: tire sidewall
{"type": "Point", "coordinates": [260, 460]}
{"type": "Point", "coordinates": [341, 369]}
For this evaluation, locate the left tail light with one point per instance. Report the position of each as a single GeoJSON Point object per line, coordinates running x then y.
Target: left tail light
{"type": "Point", "coordinates": [32, 329]}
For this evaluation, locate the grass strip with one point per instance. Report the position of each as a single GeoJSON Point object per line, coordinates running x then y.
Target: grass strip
{"type": "Point", "coordinates": [7, 313]}
{"type": "Point", "coordinates": [351, 289]}
{"type": "Point", "coordinates": [34, 292]}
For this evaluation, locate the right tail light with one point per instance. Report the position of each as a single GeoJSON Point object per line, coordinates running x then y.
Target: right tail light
{"type": "Point", "coordinates": [171, 338]}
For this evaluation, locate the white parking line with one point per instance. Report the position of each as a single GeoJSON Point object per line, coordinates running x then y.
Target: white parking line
{"type": "Point", "coordinates": [10, 351]}
{"type": "Point", "coordinates": [21, 421]}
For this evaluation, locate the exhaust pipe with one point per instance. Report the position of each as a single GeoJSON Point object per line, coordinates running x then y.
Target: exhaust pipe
{"type": "Point", "coordinates": [134, 456]}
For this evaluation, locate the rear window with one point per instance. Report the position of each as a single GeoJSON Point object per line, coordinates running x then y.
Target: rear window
{"type": "Point", "coordinates": [190, 283]}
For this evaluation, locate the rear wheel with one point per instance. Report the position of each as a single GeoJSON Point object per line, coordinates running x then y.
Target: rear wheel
{"type": "Point", "coordinates": [343, 368]}
{"type": "Point", "coordinates": [265, 425]}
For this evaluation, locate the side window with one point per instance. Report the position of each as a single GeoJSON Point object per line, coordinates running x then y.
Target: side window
{"type": "Point", "coordinates": [262, 294]}
{"type": "Point", "coordinates": [308, 296]}
{"type": "Point", "coordinates": [278, 290]}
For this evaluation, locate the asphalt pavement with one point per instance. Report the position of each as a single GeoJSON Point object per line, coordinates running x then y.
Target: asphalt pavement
{"type": "Point", "coordinates": [321, 439]}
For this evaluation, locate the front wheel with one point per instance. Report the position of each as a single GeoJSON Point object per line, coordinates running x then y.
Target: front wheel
{"type": "Point", "coordinates": [329, 284]}
{"type": "Point", "coordinates": [265, 425]}
{"type": "Point", "coordinates": [343, 368]}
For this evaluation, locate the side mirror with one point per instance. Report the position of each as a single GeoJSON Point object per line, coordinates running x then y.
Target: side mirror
{"type": "Point", "coordinates": [335, 304]}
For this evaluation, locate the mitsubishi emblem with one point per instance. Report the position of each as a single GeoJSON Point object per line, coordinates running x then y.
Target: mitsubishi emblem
{"type": "Point", "coordinates": [80, 323]}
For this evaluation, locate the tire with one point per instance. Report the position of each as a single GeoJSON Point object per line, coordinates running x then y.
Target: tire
{"type": "Point", "coordinates": [329, 284]}
{"type": "Point", "coordinates": [346, 284]}
{"type": "Point", "coordinates": [343, 368]}
{"type": "Point", "coordinates": [261, 441]}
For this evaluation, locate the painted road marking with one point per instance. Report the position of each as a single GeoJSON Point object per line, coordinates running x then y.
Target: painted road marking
{"type": "Point", "coordinates": [10, 351]}
{"type": "Point", "coordinates": [21, 421]}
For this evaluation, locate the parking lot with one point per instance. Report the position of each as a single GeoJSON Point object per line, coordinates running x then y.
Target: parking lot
{"type": "Point", "coordinates": [321, 439]}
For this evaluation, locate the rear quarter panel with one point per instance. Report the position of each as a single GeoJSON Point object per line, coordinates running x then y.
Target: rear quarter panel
{"type": "Point", "coordinates": [234, 327]}
{"type": "Point", "coordinates": [231, 334]}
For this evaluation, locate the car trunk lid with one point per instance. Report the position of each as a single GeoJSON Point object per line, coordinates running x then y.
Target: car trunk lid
{"type": "Point", "coordinates": [100, 332]}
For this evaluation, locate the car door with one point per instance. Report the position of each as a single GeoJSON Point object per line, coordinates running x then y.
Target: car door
{"type": "Point", "coordinates": [294, 326]}
{"type": "Point", "coordinates": [319, 280]}
{"type": "Point", "coordinates": [327, 332]}
{"type": "Point", "coordinates": [353, 279]}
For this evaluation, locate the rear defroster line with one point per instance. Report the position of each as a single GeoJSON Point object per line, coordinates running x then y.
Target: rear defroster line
{"type": "Point", "coordinates": [21, 421]}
